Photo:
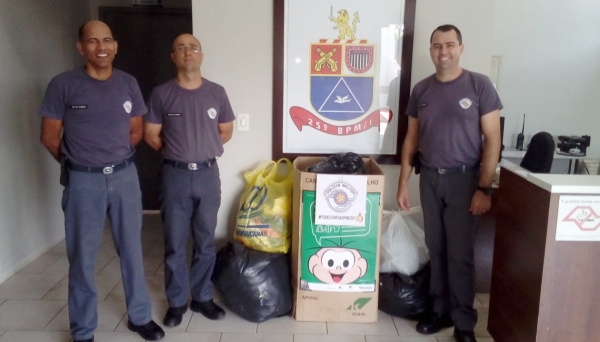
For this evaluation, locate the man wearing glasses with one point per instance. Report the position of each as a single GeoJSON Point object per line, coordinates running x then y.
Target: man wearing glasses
{"type": "Point", "coordinates": [188, 122]}
{"type": "Point", "coordinates": [99, 111]}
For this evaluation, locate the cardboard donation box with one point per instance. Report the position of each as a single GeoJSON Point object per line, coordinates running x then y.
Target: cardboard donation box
{"type": "Point", "coordinates": [335, 267]}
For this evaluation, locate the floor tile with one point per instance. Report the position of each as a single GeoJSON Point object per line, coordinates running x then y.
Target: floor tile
{"type": "Point", "coordinates": [102, 261]}
{"type": "Point", "coordinates": [40, 264]}
{"type": "Point", "coordinates": [152, 263]}
{"type": "Point", "coordinates": [28, 286]}
{"type": "Point", "coordinates": [117, 337]}
{"type": "Point", "coordinates": [31, 315]}
{"type": "Point", "coordinates": [112, 268]}
{"type": "Point", "coordinates": [191, 337]}
{"type": "Point", "coordinates": [328, 338]}
{"type": "Point", "coordinates": [288, 325]}
{"type": "Point", "coordinates": [161, 270]}
{"type": "Point", "coordinates": [407, 328]}
{"type": "Point", "coordinates": [107, 248]}
{"type": "Point", "coordinates": [232, 323]}
{"type": "Point", "coordinates": [401, 339]}
{"type": "Point", "coordinates": [35, 336]}
{"type": "Point", "coordinates": [104, 286]}
{"type": "Point", "coordinates": [451, 339]}
{"type": "Point", "coordinates": [110, 314]}
{"type": "Point", "coordinates": [484, 298]}
{"type": "Point", "coordinates": [383, 326]}
{"type": "Point", "coordinates": [482, 320]}
{"type": "Point", "coordinates": [60, 267]}
{"type": "Point", "coordinates": [60, 249]}
{"type": "Point", "coordinates": [477, 303]}
{"type": "Point", "coordinates": [233, 337]}
{"type": "Point", "coordinates": [156, 289]}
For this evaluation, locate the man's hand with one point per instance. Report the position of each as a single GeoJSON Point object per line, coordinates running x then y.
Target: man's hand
{"type": "Point", "coordinates": [51, 136]}
{"type": "Point", "coordinates": [152, 136]}
{"type": "Point", "coordinates": [403, 197]}
{"type": "Point", "coordinates": [480, 203]}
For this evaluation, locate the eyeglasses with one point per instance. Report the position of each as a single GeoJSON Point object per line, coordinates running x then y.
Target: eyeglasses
{"type": "Point", "coordinates": [183, 48]}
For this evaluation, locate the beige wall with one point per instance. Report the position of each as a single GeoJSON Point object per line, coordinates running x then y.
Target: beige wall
{"type": "Point", "coordinates": [37, 39]}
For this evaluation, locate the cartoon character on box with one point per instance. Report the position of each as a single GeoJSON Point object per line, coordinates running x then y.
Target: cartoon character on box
{"type": "Point", "coordinates": [337, 265]}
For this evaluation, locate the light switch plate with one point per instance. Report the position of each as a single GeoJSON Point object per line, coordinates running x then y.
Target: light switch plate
{"type": "Point", "coordinates": [243, 122]}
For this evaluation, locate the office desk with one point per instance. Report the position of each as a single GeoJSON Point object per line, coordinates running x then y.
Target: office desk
{"type": "Point", "coordinates": [516, 156]}
{"type": "Point", "coordinates": [542, 289]}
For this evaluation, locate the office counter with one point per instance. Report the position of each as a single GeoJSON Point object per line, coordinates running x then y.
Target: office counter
{"type": "Point", "coordinates": [543, 289]}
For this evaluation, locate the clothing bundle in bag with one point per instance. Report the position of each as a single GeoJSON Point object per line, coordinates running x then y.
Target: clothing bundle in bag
{"type": "Point", "coordinates": [403, 246]}
{"type": "Point", "coordinates": [254, 285]}
{"type": "Point", "coordinates": [405, 296]}
{"type": "Point", "coordinates": [265, 213]}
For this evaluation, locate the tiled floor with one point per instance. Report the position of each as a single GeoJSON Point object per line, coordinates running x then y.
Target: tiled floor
{"type": "Point", "coordinates": [33, 308]}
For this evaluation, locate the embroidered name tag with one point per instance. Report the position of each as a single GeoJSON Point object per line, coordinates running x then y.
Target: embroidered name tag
{"type": "Point", "coordinates": [78, 106]}
{"type": "Point", "coordinates": [174, 114]}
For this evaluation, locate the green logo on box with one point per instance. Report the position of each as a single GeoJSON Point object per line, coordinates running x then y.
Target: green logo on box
{"type": "Point", "coordinates": [359, 304]}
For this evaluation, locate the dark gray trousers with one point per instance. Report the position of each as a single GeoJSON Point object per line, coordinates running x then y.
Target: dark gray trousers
{"type": "Point", "coordinates": [450, 237]}
{"type": "Point", "coordinates": [86, 201]}
{"type": "Point", "coordinates": [189, 198]}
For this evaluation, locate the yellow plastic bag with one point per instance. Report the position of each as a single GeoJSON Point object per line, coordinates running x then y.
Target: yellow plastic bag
{"type": "Point", "coordinates": [265, 215]}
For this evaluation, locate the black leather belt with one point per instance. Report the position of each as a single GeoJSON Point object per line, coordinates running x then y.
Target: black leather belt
{"type": "Point", "coordinates": [450, 170]}
{"type": "Point", "coordinates": [107, 170]}
{"type": "Point", "coordinates": [190, 166]}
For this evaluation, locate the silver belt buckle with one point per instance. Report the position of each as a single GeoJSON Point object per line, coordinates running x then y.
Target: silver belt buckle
{"type": "Point", "coordinates": [193, 166]}
{"type": "Point", "coordinates": [441, 171]}
{"type": "Point", "coordinates": [107, 170]}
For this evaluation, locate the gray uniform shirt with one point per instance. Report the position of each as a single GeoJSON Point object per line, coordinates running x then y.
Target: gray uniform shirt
{"type": "Point", "coordinates": [96, 115]}
{"type": "Point", "coordinates": [190, 119]}
{"type": "Point", "coordinates": [449, 116]}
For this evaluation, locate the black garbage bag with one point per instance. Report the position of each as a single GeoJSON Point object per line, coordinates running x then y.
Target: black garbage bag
{"type": "Point", "coordinates": [343, 163]}
{"type": "Point", "coordinates": [405, 296]}
{"type": "Point", "coordinates": [255, 285]}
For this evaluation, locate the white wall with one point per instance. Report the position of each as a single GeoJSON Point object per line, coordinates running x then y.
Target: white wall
{"type": "Point", "coordinates": [476, 26]}
{"type": "Point", "coordinates": [550, 67]}
{"type": "Point", "coordinates": [239, 57]}
{"type": "Point", "coordinates": [38, 41]}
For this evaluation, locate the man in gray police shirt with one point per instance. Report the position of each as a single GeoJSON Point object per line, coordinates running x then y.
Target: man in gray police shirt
{"type": "Point", "coordinates": [189, 120]}
{"type": "Point", "coordinates": [449, 112]}
{"type": "Point", "coordinates": [99, 111]}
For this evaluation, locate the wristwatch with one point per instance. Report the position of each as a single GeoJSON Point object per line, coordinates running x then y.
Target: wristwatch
{"type": "Point", "coordinates": [488, 191]}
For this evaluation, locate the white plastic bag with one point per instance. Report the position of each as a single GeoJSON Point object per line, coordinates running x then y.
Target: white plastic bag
{"type": "Point", "coordinates": [402, 243]}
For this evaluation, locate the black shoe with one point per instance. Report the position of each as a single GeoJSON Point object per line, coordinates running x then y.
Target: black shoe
{"type": "Point", "coordinates": [434, 323]}
{"type": "Point", "coordinates": [209, 309]}
{"type": "Point", "coordinates": [149, 331]}
{"type": "Point", "coordinates": [464, 336]}
{"type": "Point", "coordinates": [88, 340]}
{"type": "Point", "coordinates": [174, 316]}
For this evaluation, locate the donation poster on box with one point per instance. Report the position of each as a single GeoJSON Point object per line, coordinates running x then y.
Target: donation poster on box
{"type": "Point", "coordinates": [337, 257]}
{"type": "Point", "coordinates": [341, 200]}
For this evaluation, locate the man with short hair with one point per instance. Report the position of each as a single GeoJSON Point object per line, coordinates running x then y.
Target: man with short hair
{"type": "Point", "coordinates": [99, 111]}
{"type": "Point", "coordinates": [449, 113]}
{"type": "Point", "coordinates": [189, 120]}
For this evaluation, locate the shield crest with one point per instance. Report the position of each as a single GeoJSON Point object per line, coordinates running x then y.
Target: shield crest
{"type": "Point", "coordinates": [336, 91]}
{"type": "Point", "coordinates": [359, 58]}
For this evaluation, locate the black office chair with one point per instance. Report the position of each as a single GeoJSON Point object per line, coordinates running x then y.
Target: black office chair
{"type": "Point", "coordinates": [540, 153]}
